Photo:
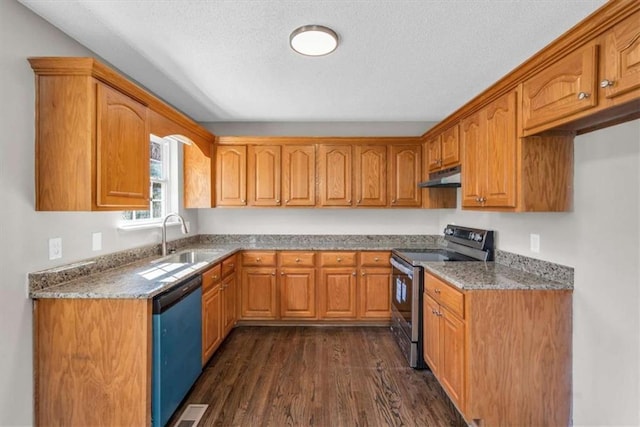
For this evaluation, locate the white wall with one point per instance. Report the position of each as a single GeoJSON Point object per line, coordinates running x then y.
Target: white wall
{"type": "Point", "coordinates": [24, 232]}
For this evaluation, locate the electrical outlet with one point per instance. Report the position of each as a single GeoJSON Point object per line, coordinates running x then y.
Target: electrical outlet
{"type": "Point", "coordinates": [96, 241]}
{"type": "Point", "coordinates": [55, 248]}
{"type": "Point", "coordinates": [535, 243]}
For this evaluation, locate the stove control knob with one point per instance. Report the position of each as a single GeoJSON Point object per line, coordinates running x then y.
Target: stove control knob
{"type": "Point", "coordinates": [448, 231]}
{"type": "Point", "coordinates": [477, 237]}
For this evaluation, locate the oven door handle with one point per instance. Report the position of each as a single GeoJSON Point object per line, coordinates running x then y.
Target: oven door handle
{"type": "Point", "coordinates": [403, 268]}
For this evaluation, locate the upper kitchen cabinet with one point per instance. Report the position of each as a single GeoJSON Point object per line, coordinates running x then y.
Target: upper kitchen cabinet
{"type": "Point", "coordinates": [264, 175]}
{"type": "Point", "coordinates": [93, 131]}
{"type": "Point", "coordinates": [370, 175]}
{"type": "Point", "coordinates": [443, 151]}
{"type": "Point", "coordinates": [405, 170]}
{"type": "Point", "coordinates": [561, 90]}
{"type": "Point", "coordinates": [620, 79]}
{"type": "Point", "coordinates": [299, 175]}
{"type": "Point", "coordinates": [334, 175]}
{"type": "Point", "coordinates": [503, 172]}
{"type": "Point", "coordinates": [231, 175]}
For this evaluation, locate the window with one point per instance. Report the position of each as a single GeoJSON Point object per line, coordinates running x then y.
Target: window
{"type": "Point", "coordinates": [160, 171]}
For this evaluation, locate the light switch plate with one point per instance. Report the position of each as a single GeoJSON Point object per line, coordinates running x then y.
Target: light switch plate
{"type": "Point", "coordinates": [535, 243]}
{"type": "Point", "coordinates": [96, 241]}
{"type": "Point", "coordinates": [55, 248]}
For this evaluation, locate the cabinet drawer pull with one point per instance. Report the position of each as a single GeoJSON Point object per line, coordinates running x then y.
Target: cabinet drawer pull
{"type": "Point", "coordinates": [583, 95]}
{"type": "Point", "coordinates": [436, 290]}
{"type": "Point", "coordinates": [376, 259]}
{"type": "Point", "coordinates": [258, 259]}
{"type": "Point", "coordinates": [297, 259]}
{"type": "Point", "coordinates": [339, 259]}
{"type": "Point", "coordinates": [606, 83]}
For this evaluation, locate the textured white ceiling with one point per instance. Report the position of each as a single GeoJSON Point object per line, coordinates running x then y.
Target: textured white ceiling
{"type": "Point", "coordinates": [398, 60]}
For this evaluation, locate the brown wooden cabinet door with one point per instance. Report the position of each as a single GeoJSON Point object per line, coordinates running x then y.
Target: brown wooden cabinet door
{"type": "Point", "coordinates": [122, 151]}
{"type": "Point", "coordinates": [335, 175]}
{"type": "Point", "coordinates": [264, 175]}
{"type": "Point", "coordinates": [622, 58]}
{"type": "Point", "coordinates": [299, 175]}
{"type": "Point", "coordinates": [298, 293]}
{"type": "Point", "coordinates": [258, 297]}
{"type": "Point", "coordinates": [452, 361]}
{"type": "Point", "coordinates": [211, 322]}
{"type": "Point", "coordinates": [231, 175]}
{"type": "Point", "coordinates": [500, 138]}
{"type": "Point", "coordinates": [431, 334]}
{"type": "Point", "coordinates": [473, 160]}
{"type": "Point", "coordinates": [375, 293]}
{"type": "Point", "coordinates": [434, 155]}
{"type": "Point", "coordinates": [405, 170]}
{"type": "Point", "coordinates": [370, 181]}
{"type": "Point", "coordinates": [229, 303]}
{"type": "Point", "coordinates": [450, 147]}
{"type": "Point", "coordinates": [561, 90]}
{"type": "Point", "coordinates": [338, 293]}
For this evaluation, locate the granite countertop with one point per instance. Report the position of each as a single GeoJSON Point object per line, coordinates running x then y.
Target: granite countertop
{"type": "Point", "coordinates": [142, 273]}
{"type": "Point", "coordinates": [490, 275]}
{"type": "Point", "coordinates": [140, 280]}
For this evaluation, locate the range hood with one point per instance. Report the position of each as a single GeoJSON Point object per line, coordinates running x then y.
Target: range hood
{"type": "Point", "coordinates": [444, 178]}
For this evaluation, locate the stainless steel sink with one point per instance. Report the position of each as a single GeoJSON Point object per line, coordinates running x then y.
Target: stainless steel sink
{"type": "Point", "coordinates": [189, 257]}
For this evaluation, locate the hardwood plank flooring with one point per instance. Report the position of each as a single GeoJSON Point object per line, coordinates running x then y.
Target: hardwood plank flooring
{"type": "Point", "coordinates": [317, 376]}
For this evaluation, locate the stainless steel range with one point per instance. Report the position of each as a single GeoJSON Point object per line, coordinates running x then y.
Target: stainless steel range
{"type": "Point", "coordinates": [407, 283]}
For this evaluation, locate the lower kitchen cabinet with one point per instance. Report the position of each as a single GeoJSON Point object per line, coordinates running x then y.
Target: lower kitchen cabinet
{"type": "Point", "coordinates": [95, 357]}
{"type": "Point", "coordinates": [502, 356]}
{"type": "Point", "coordinates": [338, 293]}
{"type": "Point", "coordinates": [258, 294]}
{"type": "Point", "coordinates": [375, 296]}
{"type": "Point", "coordinates": [298, 293]}
{"type": "Point", "coordinates": [211, 322]}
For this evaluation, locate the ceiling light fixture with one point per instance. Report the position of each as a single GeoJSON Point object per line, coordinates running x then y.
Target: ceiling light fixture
{"type": "Point", "coordinates": [313, 40]}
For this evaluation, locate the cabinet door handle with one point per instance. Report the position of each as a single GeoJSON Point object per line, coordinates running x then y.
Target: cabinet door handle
{"type": "Point", "coordinates": [278, 201]}
{"type": "Point", "coordinates": [273, 273]}
{"type": "Point", "coordinates": [286, 201]}
{"type": "Point", "coordinates": [359, 201]}
{"type": "Point", "coordinates": [436, 290]}
{"type": "Point", "coordinates": [282, 273]}
{"type": "Point", "coordinates": [244, 201]}
{"type": "Point", "coordinates": [583, 95]}
{"type": "Point", "coordinates": [606, 83]}
{"type": "Point", "coordinates": [393, 201]}
{"type": "Point", "coordinates": [349, 201]}
{"type": "Point", "coordinates": [353, 274]}
{"type": "Point", "coordinates": [364, 274]}
{"type": "Point", "coordinates": [215, 277]}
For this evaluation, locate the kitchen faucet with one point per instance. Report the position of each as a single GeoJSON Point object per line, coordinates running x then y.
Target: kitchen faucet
{"type": "Point", "coordinates": [164, 230]}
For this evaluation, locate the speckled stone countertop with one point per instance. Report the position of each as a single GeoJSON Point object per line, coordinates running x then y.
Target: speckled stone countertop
{"type": "Point", "coordinates": [140, 273]}
{"type": "Point", "coordinates": [491, 275]}
{"type": "Point", "coordinates": [141, 279]}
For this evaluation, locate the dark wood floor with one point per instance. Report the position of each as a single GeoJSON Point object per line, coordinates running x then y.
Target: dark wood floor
{"type": "Point", "coordinates": [317, 376]}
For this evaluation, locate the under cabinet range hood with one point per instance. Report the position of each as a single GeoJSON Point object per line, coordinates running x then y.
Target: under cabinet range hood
{"type": "Point", "coordinates": [444, 178]}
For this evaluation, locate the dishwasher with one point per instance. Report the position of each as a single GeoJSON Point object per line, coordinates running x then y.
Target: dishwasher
{"type": "Point", "coordinates": [177, 347]}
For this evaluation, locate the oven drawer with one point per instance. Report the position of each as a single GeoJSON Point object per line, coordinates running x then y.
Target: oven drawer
{"type": "Point", "coordinates": [445, 294]}
{"type": "Point", "coordinates": [374, 259]}
{"type": "Point", "coordinates": [337, 259]}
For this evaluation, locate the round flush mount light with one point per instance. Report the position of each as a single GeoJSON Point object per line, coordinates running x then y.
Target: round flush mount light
{"type": "Point", "coordinates": [313, 40]}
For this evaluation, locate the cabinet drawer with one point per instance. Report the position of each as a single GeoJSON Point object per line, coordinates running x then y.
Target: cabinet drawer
{"type": "Point", "coordinates": [337, 259]}
{"type": "Point", "coordinates": [445, 294]}
{"type": "Point", "coordinates": [374, 259]}
{"type": "Point", "coordinates": [229, 266]}
{"type": "Point", "coordinates": [211, 277]}
{"type": "Point", "coordinates": [259, 258]}
{"type": "Point", "coordinates": [297, 259]}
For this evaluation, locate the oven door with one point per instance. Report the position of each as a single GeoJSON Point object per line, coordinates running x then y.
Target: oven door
{"type": "Point", "coordinates": [402, 297]}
